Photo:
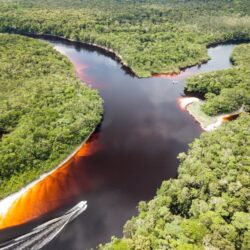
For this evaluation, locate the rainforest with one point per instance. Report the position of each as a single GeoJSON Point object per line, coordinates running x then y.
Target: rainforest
{"type": "Point", "coordinates": [90, 89]}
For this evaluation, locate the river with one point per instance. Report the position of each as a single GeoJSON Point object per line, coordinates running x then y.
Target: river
{"type": "Point", "coordinates": [133, 150]}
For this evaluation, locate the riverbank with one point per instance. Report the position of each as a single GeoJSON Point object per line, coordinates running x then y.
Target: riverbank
{"type": "Point", "coordinates": [118, 58]}
{"type": "Point", "coordinates": [40, 130]}
{"type": "Point", "coordinates": [93, 46]}
{"type": "Point", "coordinates": [207, 123]}
{"type": "Point", "coordinates": [187, 211]}
{"type": "Point", "coordinates": [193, 106]}
{"type": "Point", "coordinates": [103, 49]}
{"type": "Point", "coordinates": [7, 202]}
{"type": "Point", "coordinates": [104, 164]}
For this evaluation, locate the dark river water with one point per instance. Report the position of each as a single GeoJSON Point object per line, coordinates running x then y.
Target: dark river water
{"type": "Point", "coordinates": [133, 150]}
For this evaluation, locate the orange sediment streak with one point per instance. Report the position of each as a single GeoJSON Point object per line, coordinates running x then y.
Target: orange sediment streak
{"type": "Point", "coordinates": [230, 117]}
{"type": "Point", "coordinates": [185, 101]}
{"type": "Point", "coordinates": [165, 75]}
{"type": "Point", "coordinates": [54, 191]}
{"type": "Point", "coordinates": [59, 187]}
{"type": "Point", "coordinates": [81, 72]}
{"type": "Point", "coordinates": [174, 76]}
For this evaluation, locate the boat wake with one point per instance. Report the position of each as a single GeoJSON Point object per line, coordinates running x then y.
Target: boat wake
{"type": "Point", "coordinates": [44, 233]}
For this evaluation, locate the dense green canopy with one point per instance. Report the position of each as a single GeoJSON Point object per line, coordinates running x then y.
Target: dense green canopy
{"type": "Point", "coordinates": [45, 113]}
{"type": "Point", "coordinates": [151, 36]}
{"type": "Point", "coordinates": [228, 90]}
{"type": "Point", "coordinates": [207, 207]}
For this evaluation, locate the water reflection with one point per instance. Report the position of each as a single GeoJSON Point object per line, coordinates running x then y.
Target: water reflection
{"type": "Point", "coordinates": [134, 150]}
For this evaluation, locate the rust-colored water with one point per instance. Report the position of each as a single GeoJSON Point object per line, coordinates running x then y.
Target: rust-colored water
{"type": "Point", "coordinates": [175, 76]}
{"type": "Point", "coordinates": [125, 161]}
{"type": "Point", "coordinates": [57, 189]}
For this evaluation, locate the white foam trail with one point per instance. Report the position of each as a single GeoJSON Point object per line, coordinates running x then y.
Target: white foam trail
{"type": "Point", "coordinates": [44, 233]}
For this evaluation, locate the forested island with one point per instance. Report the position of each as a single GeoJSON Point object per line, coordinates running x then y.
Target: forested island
{"type": "Point", "coordinates": [41, 121]}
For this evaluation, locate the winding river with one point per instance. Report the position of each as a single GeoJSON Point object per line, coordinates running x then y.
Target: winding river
{"type": "Point", "coordinates": [125, 160]}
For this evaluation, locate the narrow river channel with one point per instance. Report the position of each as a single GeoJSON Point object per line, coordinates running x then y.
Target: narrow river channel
{"type": "Point", "coordinates": [133, 150]}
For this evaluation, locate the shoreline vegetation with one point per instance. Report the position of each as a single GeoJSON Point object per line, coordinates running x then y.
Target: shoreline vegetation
{"type": "Point", "coordinates": [105, 50]}
{"type": "Point", "coordinates": [149, 38]}
{"type": "Point", "coordinates": [194, 108]}
{"type": "Point", "coordinates": [6, 202]}
{"type": "Point", "coordinates": [44, 125]}
{"type": "Point", "coordinates": [225, 91]}
{"type": "Point", "coordinates": [118, 58]}
{"type": "Point", "coordinates": [207, 206]}
{"type": "Point", "coordinates": [208, 123]}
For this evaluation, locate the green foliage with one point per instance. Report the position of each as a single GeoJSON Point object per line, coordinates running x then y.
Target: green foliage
{"type": "Point", "coordinates": [241, 55]}
{"type": "Point", "coordinates": [207, 207]}
{"type": "Point", "coordinates": [117, 244]}
{"type": "Point", "coordinates": [151, 36]}
{"type": "Point", "coordinates": [228, 90]}
{"type": "Point", "coordinates": [45, 112]}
